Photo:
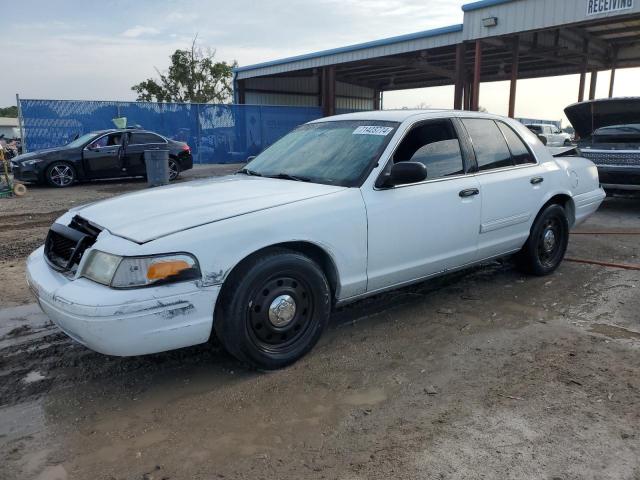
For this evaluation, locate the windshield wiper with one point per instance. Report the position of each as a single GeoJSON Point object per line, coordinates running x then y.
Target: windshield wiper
{"type": "Point", "coordinates": [251, 173]}
{"type": "Point", "coordinates": [287, 176]}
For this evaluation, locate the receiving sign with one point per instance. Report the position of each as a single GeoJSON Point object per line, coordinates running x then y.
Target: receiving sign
{"type": "Point", "coordinates": [597, 7]}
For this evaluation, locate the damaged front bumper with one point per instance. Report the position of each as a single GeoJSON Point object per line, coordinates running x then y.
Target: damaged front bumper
{"type": "Point", "coordinates": [123, 322]}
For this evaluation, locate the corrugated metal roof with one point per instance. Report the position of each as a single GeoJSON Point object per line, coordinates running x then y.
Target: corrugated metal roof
{"type": "Point", "coordinates": [483, 4]}
{"type": "Point", "coordinates": [357, 47]}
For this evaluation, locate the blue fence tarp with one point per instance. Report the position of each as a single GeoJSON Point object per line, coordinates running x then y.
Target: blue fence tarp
{"type": "Point", "coordinates": [215, 133]}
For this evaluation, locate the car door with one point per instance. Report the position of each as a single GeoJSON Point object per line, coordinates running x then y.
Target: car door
{"type": "Point", "coordinates": [511, 185]}
{"type": "Point", "coordinates": [102, 157]}
{"type": "Point", "coordinates": [421, 229]}
{"type": "Point", "coordinates": [137, 143]}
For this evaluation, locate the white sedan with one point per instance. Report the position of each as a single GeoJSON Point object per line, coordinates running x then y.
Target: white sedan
{"type": "Point", "coordinates": [339, 209]}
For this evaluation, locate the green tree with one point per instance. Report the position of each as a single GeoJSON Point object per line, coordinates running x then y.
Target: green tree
{"type": "Point", "coordinates": [9, 112]}
{"type": "Point", "coordinates": [193, 76]}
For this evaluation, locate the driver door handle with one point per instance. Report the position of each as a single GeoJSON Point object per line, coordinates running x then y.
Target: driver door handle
{"type": "Point", "coordinates": [469, 192]}
{"type": "Point", "coordinates": [536, 180]}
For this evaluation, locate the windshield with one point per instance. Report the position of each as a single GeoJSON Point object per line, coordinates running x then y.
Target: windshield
{"type": "Point", "coordinates": [81, 140]}
{"type": "Point", "coordinates": [335, 153]}
{"type": "Point", "coordinates": [629, 129]}
{"type": "Point", "coordinates": [535, 128]}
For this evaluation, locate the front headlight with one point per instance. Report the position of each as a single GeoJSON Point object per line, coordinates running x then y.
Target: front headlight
{"type": "Point", "coordinates": [31, 162]}
{"type": "Point", "coordinates": [128, 272]}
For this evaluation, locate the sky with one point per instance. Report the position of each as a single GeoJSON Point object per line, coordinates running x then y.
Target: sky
{"type": "Point", "coordinates": [69, 49]}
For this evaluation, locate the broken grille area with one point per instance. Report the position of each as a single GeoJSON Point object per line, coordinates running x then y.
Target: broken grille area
{"type": "Point", "coordinates": [65, 245]}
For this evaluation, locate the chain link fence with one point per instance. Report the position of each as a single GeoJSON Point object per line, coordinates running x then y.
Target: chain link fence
{"type": "Point", "coordinates": [215, 133]}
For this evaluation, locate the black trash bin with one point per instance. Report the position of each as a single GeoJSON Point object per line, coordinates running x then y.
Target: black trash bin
{"type": "Point", "coordinates": [157, 163]}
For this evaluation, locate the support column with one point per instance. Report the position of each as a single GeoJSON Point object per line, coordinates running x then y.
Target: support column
{"type": "Point", "coordinates": [376, 99]}
{"type": "Point", "coordinates": [612, 82]}
{"type": "Point", "coordinates": [460, 74]}
{"type": "Point", "coordinates": [477, 70]}
{"type": "Point", "coordinates": [241, 91]}
{"type": "Point", "coordinates": [467, 93]}
{"type": "Point", "coordinates": [515, 65]}
{"type": "Point", "coordinates": [593, 84]}
{"type": "Point", "coordinates": [583, 73]}
{"type": "Point", "coordinates": [328, 91]}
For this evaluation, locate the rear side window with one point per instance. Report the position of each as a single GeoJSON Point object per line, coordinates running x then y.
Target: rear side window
{"type": "Point", "coordinates": [434, 144]}
{"type": "Point", "coordinates": [489, 144]}
{"type": "Point", "coordinates": [519, 151]}
{"type": "Point", "coordinates": [142, 138]}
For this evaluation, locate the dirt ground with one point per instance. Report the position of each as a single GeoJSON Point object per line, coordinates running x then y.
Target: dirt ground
{"type": "Point", "coordinates": [481, 374]}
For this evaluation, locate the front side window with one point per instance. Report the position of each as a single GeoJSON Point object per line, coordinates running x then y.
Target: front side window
{"type": "Point", "coordinates": [434, 144]}
{"type": "Point", "coordinates": [110, 140]}
{"type": "Point", "coordinates": [519, 151]}
{"type": "Point", "coordinates": [335, 153]}
{"type": "Point", "coordinates": [489, 144]}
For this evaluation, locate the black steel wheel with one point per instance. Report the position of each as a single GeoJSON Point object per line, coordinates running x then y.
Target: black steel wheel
{"type": "Point", "coordinates": [280, 313]}
{"type": "Point", "coordinates": [60, 174]}
{"type": "Point", "coordinates": [174, 169]}
{"type": "Point", "coordinates": [273, 309]}
{"type": "Point", "coordinates": [547, 243]}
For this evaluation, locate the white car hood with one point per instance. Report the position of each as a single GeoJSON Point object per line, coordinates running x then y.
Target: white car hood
{"type": "Point", "coordinates": [149, 214]}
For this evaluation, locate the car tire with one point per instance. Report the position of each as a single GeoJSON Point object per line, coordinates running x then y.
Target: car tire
{"type": "Point", "coordinates": [273, 309]}
{"type": "Point", "coordinates": [567, 143]}
{"type": "Point", "coordinates": [547, 242]}
{"type": "Point", "coordinates": [174, 169]}
{"type": "Point", "coordinates": [60, 174]}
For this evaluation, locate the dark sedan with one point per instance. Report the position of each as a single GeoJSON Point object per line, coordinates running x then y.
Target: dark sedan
{"type": "Point", "coordinates": [104, 154]}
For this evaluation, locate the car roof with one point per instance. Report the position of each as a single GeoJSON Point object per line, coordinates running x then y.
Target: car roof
{"type": "Point", "coordinates": [405, 114]}
{"type": "Point", "coordinates": [116, 130]}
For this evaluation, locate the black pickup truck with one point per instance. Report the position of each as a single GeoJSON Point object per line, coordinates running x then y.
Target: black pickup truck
{"type": "Point", "coordinates": [609, 132]}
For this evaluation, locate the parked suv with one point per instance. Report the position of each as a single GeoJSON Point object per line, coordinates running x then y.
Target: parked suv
{"type": "Point", "coordinates": [609, 131]}
{"type": "Point", "coordinates": [551, 135]}
{"type": "Point", "coordinates": [103, 154]}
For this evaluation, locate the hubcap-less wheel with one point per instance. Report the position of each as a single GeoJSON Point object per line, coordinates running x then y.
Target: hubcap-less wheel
{"type": "Point", "coordinates": [549, 246]}
{"type": "Point", "coordinates": [174, 170]}
{"type": "Point", "coordinates": [61, 175]}
{"type": "Point", "coordinates": [279, 313]}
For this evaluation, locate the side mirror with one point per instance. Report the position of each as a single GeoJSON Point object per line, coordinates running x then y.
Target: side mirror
{"type": "Point", "coordinates": [404, 173]}
{"type": "Point", "coordinates": [542, 138]}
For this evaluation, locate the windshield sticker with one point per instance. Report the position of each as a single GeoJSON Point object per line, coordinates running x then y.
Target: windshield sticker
{"type": "Point", "coordinates": [372, 130]}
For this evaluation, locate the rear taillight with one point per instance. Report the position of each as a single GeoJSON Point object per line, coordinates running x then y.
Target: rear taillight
{"type": "Point", "coordinates": [186, 148]}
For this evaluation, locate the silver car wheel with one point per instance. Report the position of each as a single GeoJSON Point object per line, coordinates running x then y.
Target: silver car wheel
{"type": "Point", "coordinates": [62, 175]}
{"type": "Point", "coordinates": [174, 170]}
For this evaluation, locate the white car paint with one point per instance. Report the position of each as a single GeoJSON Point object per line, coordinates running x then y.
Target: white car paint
{"type": "Point", "coordinates": [377, 239]}
{"type": "Point", "coordinates": [555, 137]}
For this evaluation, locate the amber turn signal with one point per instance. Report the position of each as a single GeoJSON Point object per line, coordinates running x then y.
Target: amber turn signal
{"type": "Point", "coordinates": [162, 270]}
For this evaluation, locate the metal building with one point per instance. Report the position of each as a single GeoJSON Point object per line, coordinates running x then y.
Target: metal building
{"type": "Point", "coordinates": [498, 40]}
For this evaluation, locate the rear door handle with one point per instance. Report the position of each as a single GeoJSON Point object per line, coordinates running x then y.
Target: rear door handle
{"type": "Point", "coordinates": [469, 192]}
{"type": "Point", "coordinates": [536, 180]}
